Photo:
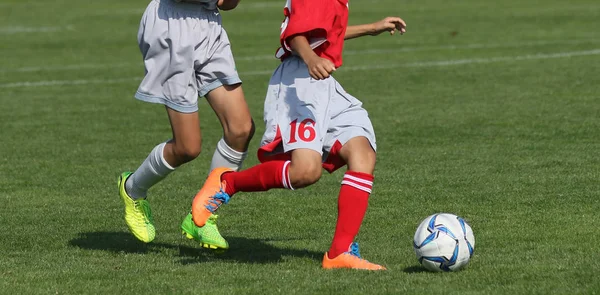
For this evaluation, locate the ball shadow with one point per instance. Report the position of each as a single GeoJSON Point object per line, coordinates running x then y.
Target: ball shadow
{"type": "Point", "coordinates": [415, 269]}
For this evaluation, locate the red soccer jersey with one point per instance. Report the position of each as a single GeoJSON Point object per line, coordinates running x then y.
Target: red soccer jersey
{"type": "Point", "coordinates": [323, 22]}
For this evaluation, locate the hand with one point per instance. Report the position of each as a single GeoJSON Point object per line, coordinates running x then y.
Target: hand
{"type": "Point", "coordinates": [227, 4]}
{"type": "Point", "coordinates": [389, 24]}
{"type": "Point", "coordinates": [320, 68]}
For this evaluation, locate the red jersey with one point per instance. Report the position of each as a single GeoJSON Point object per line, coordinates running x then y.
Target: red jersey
{"type": "Point", "coordinates": [322, 22]}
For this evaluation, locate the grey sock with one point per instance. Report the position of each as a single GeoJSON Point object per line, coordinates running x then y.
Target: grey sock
{"type": "Point", "coordinates": [225, 156]}
{"type": "Point", "coordinates": [154, 169]}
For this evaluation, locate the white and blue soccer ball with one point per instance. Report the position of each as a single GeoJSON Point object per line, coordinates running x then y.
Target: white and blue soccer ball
{"type": "Point", "coordinates": [444, 242]}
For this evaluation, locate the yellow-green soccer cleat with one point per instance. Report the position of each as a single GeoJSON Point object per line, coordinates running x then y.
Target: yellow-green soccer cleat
{"type": "Point", "coordinates": [208, 236]}
{"type": "Point", "coordinates": [138, 215]}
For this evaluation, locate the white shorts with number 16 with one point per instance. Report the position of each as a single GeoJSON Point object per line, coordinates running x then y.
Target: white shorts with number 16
{"type": "Point", "coordinates": [301, 112]}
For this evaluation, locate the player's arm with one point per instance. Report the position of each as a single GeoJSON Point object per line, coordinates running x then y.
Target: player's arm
{"type": "Point", "coordinates": [227, 4]}
{"type": "Point", "coordinates": [319, 68]}
{"type": "Point", "coordinates": [388, 24]}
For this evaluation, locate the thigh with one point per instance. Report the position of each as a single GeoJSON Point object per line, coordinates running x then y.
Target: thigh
{"type": "Point", "coordinates": [230, 106]}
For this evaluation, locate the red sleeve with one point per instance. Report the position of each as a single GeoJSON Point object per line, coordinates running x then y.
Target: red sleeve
{"type": "Point", "coordinates": [312, 18]}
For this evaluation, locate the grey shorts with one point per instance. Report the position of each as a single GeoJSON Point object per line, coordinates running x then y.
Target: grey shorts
{"type": "Point", "coordinates": [301, 112]}
{"type": "Point", "coordinates": [186, 54]}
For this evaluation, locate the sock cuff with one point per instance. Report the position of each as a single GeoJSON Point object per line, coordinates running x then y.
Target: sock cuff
{"type": "Point", "coordinates": [359, 180]}
{"type": "Point", "coordinates": [285, 175]}
{"type": "Point", "coordinates": [365, 176]}
{"type": "Point", "coordinates": [229, 153]}
{"type": "Point", "coordinates": [161, 152]}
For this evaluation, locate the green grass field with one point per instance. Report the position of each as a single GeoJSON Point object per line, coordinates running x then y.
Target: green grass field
{"type": "Point", "coordinates": [483, 109]}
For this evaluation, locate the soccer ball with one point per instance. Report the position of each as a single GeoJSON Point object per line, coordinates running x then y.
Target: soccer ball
{"type": "Point", "coordinates": [444, 242]}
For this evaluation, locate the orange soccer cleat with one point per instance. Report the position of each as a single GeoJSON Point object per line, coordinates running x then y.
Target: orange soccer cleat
{"type": "Point", "coordinates": [210, 197]}
{"type": "Point", "coordinates": [350, 259]}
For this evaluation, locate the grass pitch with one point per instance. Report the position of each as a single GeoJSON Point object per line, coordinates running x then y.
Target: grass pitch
{"type": "Point", "coordinates": [483, 109]}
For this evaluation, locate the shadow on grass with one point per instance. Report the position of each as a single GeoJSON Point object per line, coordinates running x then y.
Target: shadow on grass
{"type": "Point", "coordinates": [415, 269]}
{"type": "Point", "coordinates": [241, 249]}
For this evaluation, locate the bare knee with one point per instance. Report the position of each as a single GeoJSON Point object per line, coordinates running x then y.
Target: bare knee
{"type": "Point", "coordinates": [305, 173]}
{"type": "Point", "coordinates": [363, 162]}
{"type": "Point", "coordinates": [186, 151]}
{"type": "Point", "coordinates": [239, 134]}
{"type": "Point", "coordinates": [359, 155]}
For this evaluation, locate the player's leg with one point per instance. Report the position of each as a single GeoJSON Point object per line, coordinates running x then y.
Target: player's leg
{"type": "Point", "coordinates": [351, 140]}
{"type": "Point", "coordinates": [302, 170]}
{"type": "Point", "coordinates": [162, 160]}
{"type": "Point", "coordinates": [184, 147]}
{"type": "Point", "coordinates": [353, 201]}
{"type": "Point", "coordinates": [171, 84]}
{"type": "Point", "coordinates": [354, 193]}
{"type": "Point", "coordinates": [231, 108]}
{"type": "Point", "coordinates": [165, 157]}
{"type": "Point", "coordinates": [217, 80]}
{"type": "Point", "coordinates": [165, 83]}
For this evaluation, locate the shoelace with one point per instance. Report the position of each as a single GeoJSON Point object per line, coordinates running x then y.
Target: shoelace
{"type": "Point", "coordinates": [144, 206]}
{"type": "Point", "coordinates": [215, 201]}
{"type": "Point", "coordinates": [354, 250]}
{"type": "Point", "coordinates": [213, 219]}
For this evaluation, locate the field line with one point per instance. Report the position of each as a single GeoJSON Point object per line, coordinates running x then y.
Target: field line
{"type": "Point", "coordinates": [482, 60]}
{"type": "Point", "coordinates": [456, 61]}
{"type": "Point", "coordinates": [443, 47]}
{"type": "Point", "coordinates": [539, 56]}
{"type": "Point", "coordinates": [21, 29]}
{"type": "Point", "coordinates": [75, 67]}
{"type": "Point", "coordinates": [28, 84]}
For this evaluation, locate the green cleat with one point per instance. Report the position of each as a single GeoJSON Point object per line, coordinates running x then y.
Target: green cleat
{"type": "Point", "coordinates": [208, 236]}
{"type": "Point", "coordinates": [138, 215]}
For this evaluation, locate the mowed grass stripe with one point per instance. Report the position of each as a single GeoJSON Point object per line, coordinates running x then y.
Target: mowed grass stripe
{"type": "Point", "coordinates": [348, 68]}
{"type": "Point", "coordinates": [512, 146]}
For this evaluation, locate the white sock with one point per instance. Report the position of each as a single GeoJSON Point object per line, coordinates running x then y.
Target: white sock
{"type": "Point", "coordinates": [225, 156]}
{"type": "Point", "coordinates": [154, 169]}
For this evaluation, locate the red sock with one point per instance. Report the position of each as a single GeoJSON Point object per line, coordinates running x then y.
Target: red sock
{"type": "Point", "coordinates": [262, 177]}
{"type": "Point", "coordinates": [352, 205]}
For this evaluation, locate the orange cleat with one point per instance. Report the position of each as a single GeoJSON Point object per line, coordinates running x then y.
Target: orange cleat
{"type": "Point", "coordinates": [210, 197]}
{"type": "Point", "coordinates": [350, 259]}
